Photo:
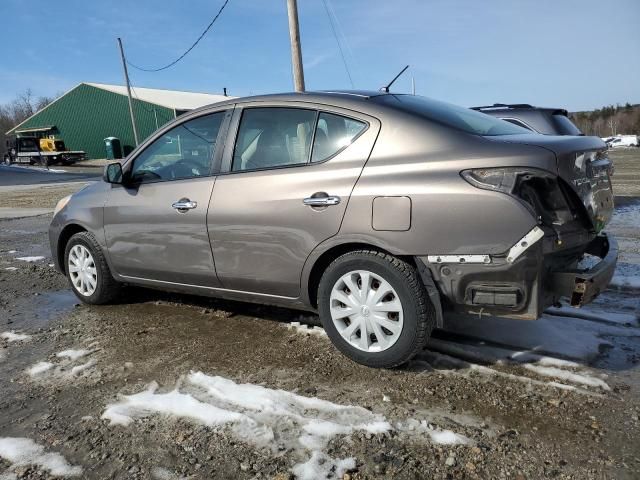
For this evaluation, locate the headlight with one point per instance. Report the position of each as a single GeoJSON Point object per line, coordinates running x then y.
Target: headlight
{"type": "Point", "coordinates": [502, 179]}
{"type": "Point", "coordinates": [61, 204]}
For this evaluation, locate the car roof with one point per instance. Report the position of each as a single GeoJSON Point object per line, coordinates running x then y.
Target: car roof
{"type": "Point", "coordinates": [341, 97]}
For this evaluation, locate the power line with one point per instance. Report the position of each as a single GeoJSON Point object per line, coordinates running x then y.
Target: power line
{"type": "Point", "coordinates": [188, 50]}
{"type": "Point", "coordinates": [333, 29]}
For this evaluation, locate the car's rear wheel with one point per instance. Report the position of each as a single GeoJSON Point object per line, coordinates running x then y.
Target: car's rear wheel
{"type": "Point", "coordinates": [374, 308]}
{"type": "Point", "coordinates": [88, 272]}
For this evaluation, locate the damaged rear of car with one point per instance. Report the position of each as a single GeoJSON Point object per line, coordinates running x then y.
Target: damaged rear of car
{"type": "Point", "coordinates": [562, 182]}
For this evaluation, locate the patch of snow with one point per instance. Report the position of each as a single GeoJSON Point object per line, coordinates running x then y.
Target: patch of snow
{"type": "Point", "coordinates": [438, 436]}
{"type": "Point", "coordinates": [24, 451]}
{"type": "Point", "coordinates": [39, 368]}
{"type": "Point", "coordinates": [385, 398]}
{"type": "Point", "coordinates": [15, 337]}
{"type": "Point", "coordinates": [8, 476]}
{"type": "Point", "coordinates": [12, 251]}
{"type": "Point", "coordinates": [11, 269]}
{"type": "Point", "coordinates": [321, 465]}
{"type": "Point", "coordinates": [73, 354]}
{"type": "Point", "coordinates": [626, 281]}
{"type": "Point", "coordinates": [569, 376]}
{"type": "Point", "coordinates": [174, 403]}
{"type": "Point", "coordinates": [312, 330]}
{"type": "Point", "coordinates": [259, 415]}
{"type": "Point", "coordinates": [86, 418]}
{"type": "Point", "coordinates": [30, 259]}
{"type": "Point", "coordinates": [78, 369]}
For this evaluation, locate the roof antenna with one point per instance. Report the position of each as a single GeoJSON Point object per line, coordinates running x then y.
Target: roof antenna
{"type": "Point", "coordinates": [386, 89]}
{"type": "Point", "coordinates": [225, 91]}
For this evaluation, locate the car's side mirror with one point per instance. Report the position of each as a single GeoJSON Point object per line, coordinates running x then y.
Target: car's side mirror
{"type": "Point", "coordinates": [113, 173]}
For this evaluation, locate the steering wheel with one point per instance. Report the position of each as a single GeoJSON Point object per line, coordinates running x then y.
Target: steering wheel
{"type": "Point", "coordinates": [187, 168]}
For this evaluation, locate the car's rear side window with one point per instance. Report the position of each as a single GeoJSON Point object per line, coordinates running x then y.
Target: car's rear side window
{"type": "Point", "coordinates": [334, 133]}
{"type": "Point", "coordinates": [460, 118]}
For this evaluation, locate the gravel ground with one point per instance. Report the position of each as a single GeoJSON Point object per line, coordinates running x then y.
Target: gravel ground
{"type": "Point", "coordinates": [515, 415]}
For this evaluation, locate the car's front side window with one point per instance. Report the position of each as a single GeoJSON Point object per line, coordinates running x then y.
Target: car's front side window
{"type": "Point", "coordinates": [273, 137]}
{"type": "Point", "coordinates": [185, 151]}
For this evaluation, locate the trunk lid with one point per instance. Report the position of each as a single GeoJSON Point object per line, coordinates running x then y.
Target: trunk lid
{"type": "Point", "coordinates": [583, 163]}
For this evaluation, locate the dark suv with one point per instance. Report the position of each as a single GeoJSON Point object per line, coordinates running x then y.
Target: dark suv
{"type": "Point", "coordinates": [548, 121]}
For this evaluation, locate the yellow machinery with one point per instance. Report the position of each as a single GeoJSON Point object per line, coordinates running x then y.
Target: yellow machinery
{"type": "Point", "coordinates": [52, 145]}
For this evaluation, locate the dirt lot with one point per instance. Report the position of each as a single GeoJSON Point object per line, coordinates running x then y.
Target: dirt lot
{"type": "Point", "coordinates": [166, 386]}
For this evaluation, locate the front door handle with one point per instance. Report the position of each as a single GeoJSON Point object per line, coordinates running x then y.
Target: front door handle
{"type": "Point", "coordinates": [321, 200]}
{"type": "Point", "coordinates": [184, 205]}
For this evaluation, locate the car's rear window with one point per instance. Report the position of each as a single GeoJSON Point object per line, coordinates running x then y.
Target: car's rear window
{"type": "Point", "coordinates": [564, 125]}
{"type": "Point", "coordinates": [461, 118]}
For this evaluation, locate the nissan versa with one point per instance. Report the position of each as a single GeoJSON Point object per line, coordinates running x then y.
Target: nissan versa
{"type": "Point", "coordinates": [380, 211]}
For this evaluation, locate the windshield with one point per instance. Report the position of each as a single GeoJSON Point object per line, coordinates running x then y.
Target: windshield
{"type": "Point", "coordinates": [460, 118]}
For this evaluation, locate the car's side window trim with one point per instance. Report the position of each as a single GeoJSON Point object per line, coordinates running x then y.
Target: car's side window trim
{"type": "Point", "coordinates": [226, 167]}
{"type": "Point", "coordinates": [520, 123]}
{"type": "Point", "coordinates": [217, 156]}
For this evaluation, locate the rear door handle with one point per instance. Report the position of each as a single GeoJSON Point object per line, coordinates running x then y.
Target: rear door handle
{"type": "Point", "coordinates": [321, 201]}
{"type": "Point", "coordinates": [184, 205]}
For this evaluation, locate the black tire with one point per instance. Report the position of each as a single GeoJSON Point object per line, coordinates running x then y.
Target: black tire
{"type": "Point", "coordinates": [107, 289]}
{"type": "Point", "coordinates": [418, 312]}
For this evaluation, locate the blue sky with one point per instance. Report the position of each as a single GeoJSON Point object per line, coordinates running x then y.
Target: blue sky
{"type": "Point", "coordinates": [577, 54]}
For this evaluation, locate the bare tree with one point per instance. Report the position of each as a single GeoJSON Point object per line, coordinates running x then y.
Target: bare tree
{"type": "Point", "coordinates": [18, 110]}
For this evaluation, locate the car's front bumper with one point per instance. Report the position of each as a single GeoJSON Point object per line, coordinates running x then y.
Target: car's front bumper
{"type": "Point", "coordinates": [540, 277]}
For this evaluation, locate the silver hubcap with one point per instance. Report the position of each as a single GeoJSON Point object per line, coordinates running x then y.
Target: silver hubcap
{"type": "Point", "coordinates": [366, 311]}
{"type": "Point", "coordinates": [82, 270]}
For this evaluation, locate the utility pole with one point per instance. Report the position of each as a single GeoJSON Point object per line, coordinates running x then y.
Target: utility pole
{"type": "Point", "coordinates": [126, 79]}
{"type": "Point", "coordinates": [296, 49]}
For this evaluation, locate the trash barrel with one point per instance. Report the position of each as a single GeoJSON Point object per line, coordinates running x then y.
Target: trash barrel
{"type": "Point", "coordinates": [113, 147]}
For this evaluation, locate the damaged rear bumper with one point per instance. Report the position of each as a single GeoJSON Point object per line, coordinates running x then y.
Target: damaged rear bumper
{"type": "Point", "coordinates": [522, 284]}
{"type": "Point", "coordinates": [582, 286]}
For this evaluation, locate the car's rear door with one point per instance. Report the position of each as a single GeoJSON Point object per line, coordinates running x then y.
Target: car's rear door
{"type": "Point", "coordinates": [283, 189]}
{"type": "Point", "coordinates": [155, 225]}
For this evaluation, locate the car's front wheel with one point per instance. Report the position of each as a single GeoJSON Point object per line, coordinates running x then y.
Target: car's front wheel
{"type": "Point", "coordinates": [88, 272]}
{"type": "Point", "coordinates": [375, 308]}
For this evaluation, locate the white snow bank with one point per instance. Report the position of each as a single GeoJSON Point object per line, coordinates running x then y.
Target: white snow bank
{"type": "Point", "coordinates": [39, 368]}
{"type": "Point", "coordinates": [259, 415]}
{"type": "Point", "coordinates": [73, 354]}
{"type": "Point", "coordinates": [15, 337]}
{"type": "Point", "coordinates": [582, 379]}
{"type": "Point", "coordinates": [24, 451]}
{"type": "Point", "coordinates": [30, 259]}
{"type": "Point", "coordinates": [11, 269]}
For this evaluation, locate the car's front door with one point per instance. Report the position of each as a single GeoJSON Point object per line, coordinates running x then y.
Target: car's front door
{"type": "Point", "coordinates": [155, 224]}
{"type": "Point", "coordinates": [284, 189]}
